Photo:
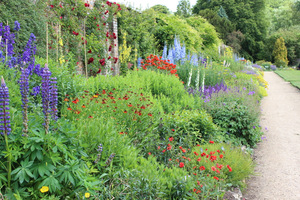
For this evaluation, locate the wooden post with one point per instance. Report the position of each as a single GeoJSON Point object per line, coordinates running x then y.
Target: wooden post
{"type": "Point", "coordinates": [84, 44]}
{"type": "Point", "coordinates": [47, 46]}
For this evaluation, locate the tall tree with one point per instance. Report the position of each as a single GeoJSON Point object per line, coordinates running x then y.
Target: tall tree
{"type": "Point", "coordinates": [161, 9]}
{"type": "Point", "coordinates": [280, 53]}
{"type": "Point", "coordinates": [184, 8]}
{"type": "Point", "coordinates": [247, 16]}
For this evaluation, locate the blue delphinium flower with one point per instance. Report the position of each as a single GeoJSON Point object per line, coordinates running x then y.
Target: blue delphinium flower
{"type": "Point", "coordinates": [182, 55]}
{"type": "Point", "coordinates": [17, 26]}
{"type": "Point", "coordinates": [194, 60]}
{"type": "Point", "coordinates": [4, 114]}
{"type": "Point", "coordinates": [170, 56]}
{"type": "Point", "coordinates": [139, 60]}
{"type": "Point", "coordinates": [273, 67]}
{"type": "Point", "coordinates": [165, 51]}
{"type": "Point", "coordinates": [177, 49]}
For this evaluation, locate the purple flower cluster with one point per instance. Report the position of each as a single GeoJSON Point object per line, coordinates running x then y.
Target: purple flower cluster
{"type": "Point", "coordinates": [4, 114]}
{"type": "Point", "coordinates": [208, 90]}
{"type": "Point", "coordinates": [273, 67]}
{"type": "Point", "coordinates": [100, 149]}
{"type": "Point", "coordinates": [6, 46]}
{"type": "Point", "coordinates": [49, 96]}
{"type": "Point", "coordinates": [257, 66]}
{"type": "Point", "coordinates": [28, 54]}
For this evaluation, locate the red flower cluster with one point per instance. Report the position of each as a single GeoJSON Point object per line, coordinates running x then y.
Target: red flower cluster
{"type": "Point", "coordinates": [102, 61]}
{"type": "Point", "coordinates": [156, 62]}
{"type": "Point", "coordinates": [87, 5]}
{"type": "Point", "coordinates": [75, 33]}
{"type": "Point", "coordinates": [91, 60]}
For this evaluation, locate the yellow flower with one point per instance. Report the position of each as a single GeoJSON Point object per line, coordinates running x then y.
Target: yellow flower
{"type": "Point", "coordinates": [87, 195]}
{"type": "Point", "coordinates": [44, 189]}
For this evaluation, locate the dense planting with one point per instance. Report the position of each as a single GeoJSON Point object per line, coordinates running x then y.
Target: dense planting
{"type": "Point", "coordinates": [171, 128]}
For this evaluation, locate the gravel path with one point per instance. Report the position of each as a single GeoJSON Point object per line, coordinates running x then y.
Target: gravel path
{"type": "Point", "coordinates": [278, 155]}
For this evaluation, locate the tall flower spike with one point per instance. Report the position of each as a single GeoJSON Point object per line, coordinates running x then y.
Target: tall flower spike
{"type": "Point", "coordinates": [53, 98]}
{"type": "Point", "coordinates": [100, 149]}
{"type": "Point", "coordinates": [4, 114]}
{"type": "Point", "coordinates": [24, 89]}
{"type": "Point", "coordinates": [46, 95]}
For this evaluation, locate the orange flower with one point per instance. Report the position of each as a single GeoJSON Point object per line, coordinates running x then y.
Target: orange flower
{"type": "Point", "coordinates": [83, 106]}
{"type": "Point", "coordinates": [69, 108]}
{"type": "Point", "coordinates": [66, 99]}
{"type": "Point", "coordinates": [90, 116]}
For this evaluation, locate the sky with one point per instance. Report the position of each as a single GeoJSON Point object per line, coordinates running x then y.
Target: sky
{"type": "Point", "coordinates": [144, 4]}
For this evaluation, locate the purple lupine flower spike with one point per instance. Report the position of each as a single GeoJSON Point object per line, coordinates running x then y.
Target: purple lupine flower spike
{"type": "Point", "coordinates": [46, 95]}
{"type": "Point", "coordinates": [4, 114]}
{"type": "Point", "coordinates": [53, 98]}
{"type": "Point", "coordinates": [24, 89]}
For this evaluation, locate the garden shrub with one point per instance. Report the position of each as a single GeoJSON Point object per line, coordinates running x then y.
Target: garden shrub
{"type": "Point", "coordinates": [237, 113]}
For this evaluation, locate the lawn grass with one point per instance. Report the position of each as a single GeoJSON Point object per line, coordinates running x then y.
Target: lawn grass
{"type": "Point", "coordinates": [292, 76]}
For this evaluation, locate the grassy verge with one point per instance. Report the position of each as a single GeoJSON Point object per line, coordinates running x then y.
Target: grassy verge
{"type": "Point", "coordinates": [291, 76]}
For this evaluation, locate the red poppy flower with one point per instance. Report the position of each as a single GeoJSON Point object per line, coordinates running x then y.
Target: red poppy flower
{"type": "Point", "coordinates": [196, 153]}
{"type": "Point", "coordinates": [52, 6]}
{"type": "Point", "coordinates": [149, 153]}
{"type": "Point", "coordinates": [87, 5]}
{"type": "Point", "coordinates": [173, 130]}
{"type": "Point", "coordinates": [143, 107]}
{"type": "Point", "coordinates": [211, 142]}
{"type": "Point", "coordinates": [216, 178]}
{"type": "Point", "coordinates": [202, 168]}
{"type": "Point", "coordinates": [158, 147]}
{"type": "Point", "coordinates": [199, 159]}
{"type": "Point", "coordinates": [164, 151]}
{"type": "Point", "coordinates": [130, 105]}
{"type": "Point", "coordinates": [221, 156]}
{"type": "Point", "coordinates": [213, 168]}
{"type": "Point", "coordinates": [183, 150]}
{"type": "Point", "coordinates": [181, 164]}
{"type": "Point", "coordinates": [99, 71]}
{"type": "Point", "coordinates": [125, 111]}
{"type": "Point", "coordinates": [69, 108]}
{"type": "Point", "coordinates": [171, 139]}
{"type": "Point", "coordinates": [89, 51]}
{"type": "Point", "coordinates": [150, 114]}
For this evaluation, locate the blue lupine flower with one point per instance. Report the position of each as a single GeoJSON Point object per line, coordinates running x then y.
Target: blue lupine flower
{"type": "Point", "coordinates": [29, 52]}
{"type": "Point", "coordinates": [4, 114]}
{"type": "Point", "coordinates": [35, 91]}
{"type": "Point", "coordinates": [46, 95]}
{"type": "Point", "coordinates": [273, 67]}
{"type": "Point", "coordinates": [53, 98]}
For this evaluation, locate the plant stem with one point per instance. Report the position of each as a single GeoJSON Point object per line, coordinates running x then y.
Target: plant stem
{"type": "Point", "coordinates": [85, 59]}
{"type": "Point", "coordinates": [8, 160]}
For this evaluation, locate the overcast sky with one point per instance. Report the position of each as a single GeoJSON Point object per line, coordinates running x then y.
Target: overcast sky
{"type": "Point", "coordinates": [144, 4]}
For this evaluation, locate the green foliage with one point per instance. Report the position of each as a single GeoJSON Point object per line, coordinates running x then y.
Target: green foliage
{"type": "Point", "coordinates": [139, 29]}
{"type": "Point", "coordinates": [280, 53]}
{"type": "Point", "coordinates": [184, 8]}
{"type": "Point", "coordinates": [31, 18]}
{"type": "Point", "coordinates": [248, 17]}
{"type": "Point", "coordinates": [161, 9]}
{"type": "Point", "coordinates": [237, 113]}
{"type": "Point", "coordinates": [291, 38]}
{"type": "Point", "coordinates": [222, 25]}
